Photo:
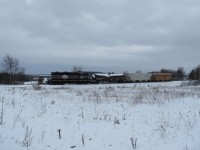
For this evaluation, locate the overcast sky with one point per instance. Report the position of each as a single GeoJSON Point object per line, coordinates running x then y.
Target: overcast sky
{"type": "Point", "coordinates": [101, 35]}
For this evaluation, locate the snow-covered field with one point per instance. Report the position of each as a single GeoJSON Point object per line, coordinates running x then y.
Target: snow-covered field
{"type": "Point", "coordinates": [141, 116]}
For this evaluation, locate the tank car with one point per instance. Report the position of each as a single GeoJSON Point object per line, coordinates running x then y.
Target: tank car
{"type": "Point", "coordinates": [138, 77]}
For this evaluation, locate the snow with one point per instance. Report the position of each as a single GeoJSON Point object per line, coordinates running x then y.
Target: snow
{"type": "Point", "coordinates": [113, 75]}
{"type": "Point", "coordinates": [100, 117]}
{"type": "Point", "coordinates": [100, 74]}
{"type": "Point", "coordinates": [107, 75]}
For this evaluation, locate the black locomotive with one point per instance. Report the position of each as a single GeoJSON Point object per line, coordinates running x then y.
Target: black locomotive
{"type": "Point", "coordinates": [69, 77]}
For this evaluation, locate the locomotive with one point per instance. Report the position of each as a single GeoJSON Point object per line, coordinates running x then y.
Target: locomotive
{"type": "Point", "coordinates": [69, 77]}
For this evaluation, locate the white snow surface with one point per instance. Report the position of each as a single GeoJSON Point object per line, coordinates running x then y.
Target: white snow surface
{"type": "Point", "coordinates": [156, 116]}
{"type": "Point", "coordinates": [106, 75]}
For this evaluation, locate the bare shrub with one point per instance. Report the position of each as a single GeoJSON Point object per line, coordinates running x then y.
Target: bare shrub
{"type": "Point", "coordinates": [83, 139]}
{"type": "Point", "coordinates": [37, 87]}
{"type": "Point", "coordinates": [95, 96]}
{"type": "Point", "coordinates": [190, 83]}
{"type": "Point", "coordinates": [105, 93]}
{"type": "Point", "coordinates": [43, 135]}
{"type": "Point", "coordinates": [27, 138]}
{"type": "Point", "coordinates": [59, 133]}
{"type": "Point", "coordinates": [16, 119]}
{"type": "Point", "coordinates": [133, 142]}
{"type": "Point", "coordinates": [109, 88]}
{"type": "Point", "coordinates": [2, 111]}
{"type": "Point", "coordinates": [116, 121]}
{"type": "Point", "coordinates": [52, 102]}
{"type": "Point", "coordinates": [138, 99]}
{"type": "Point", "coordinates": [79, 93]}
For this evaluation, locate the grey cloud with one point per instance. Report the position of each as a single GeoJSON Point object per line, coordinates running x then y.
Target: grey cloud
{"type": "Point", "coordinates": [114, 34]}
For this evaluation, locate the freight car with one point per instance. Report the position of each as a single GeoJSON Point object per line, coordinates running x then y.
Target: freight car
{"type": "Point", "coordinates": [100, 78]}
{"type": "Point", "coordinates": [161, 77]}
{"type": "Point", "coordinates": [108, 78]}
{"type": "Point", "coordinates": [138, 77]}
{"type": "Point", "coordinates": [147, 77]}
{"type": "Point", "coordinates": [69, 77]}
{"type": "Point", "coordinates": [117, 78]}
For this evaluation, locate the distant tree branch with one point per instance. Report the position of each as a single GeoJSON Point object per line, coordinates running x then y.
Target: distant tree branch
{"type": "Point", "coordinates": [12, 66]}
{"type": "Point", "coordinates": [76, 69]}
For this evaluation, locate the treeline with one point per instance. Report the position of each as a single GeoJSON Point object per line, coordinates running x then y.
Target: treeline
{"type": "Point", "coordinates": [180, 74]}
{"type": "Point", "coordinates": [195, 73]}
{"type": "Point", "coordinates": [13, 73]}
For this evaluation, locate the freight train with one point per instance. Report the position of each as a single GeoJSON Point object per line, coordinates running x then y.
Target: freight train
{"type": "Point", "coordinates": [96, 78]}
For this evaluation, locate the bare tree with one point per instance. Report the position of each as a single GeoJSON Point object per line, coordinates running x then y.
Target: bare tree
{"type": "Point", "coordinates": [180, 73]}
{"type": "Point", "coordinates": [138, 71]}
{"type": "Point", "coordinates": [195, 73]}
{"type": "Point", "coordinates": [76, 69]}
{"type": "Point", "coordinates": [11, 66]}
